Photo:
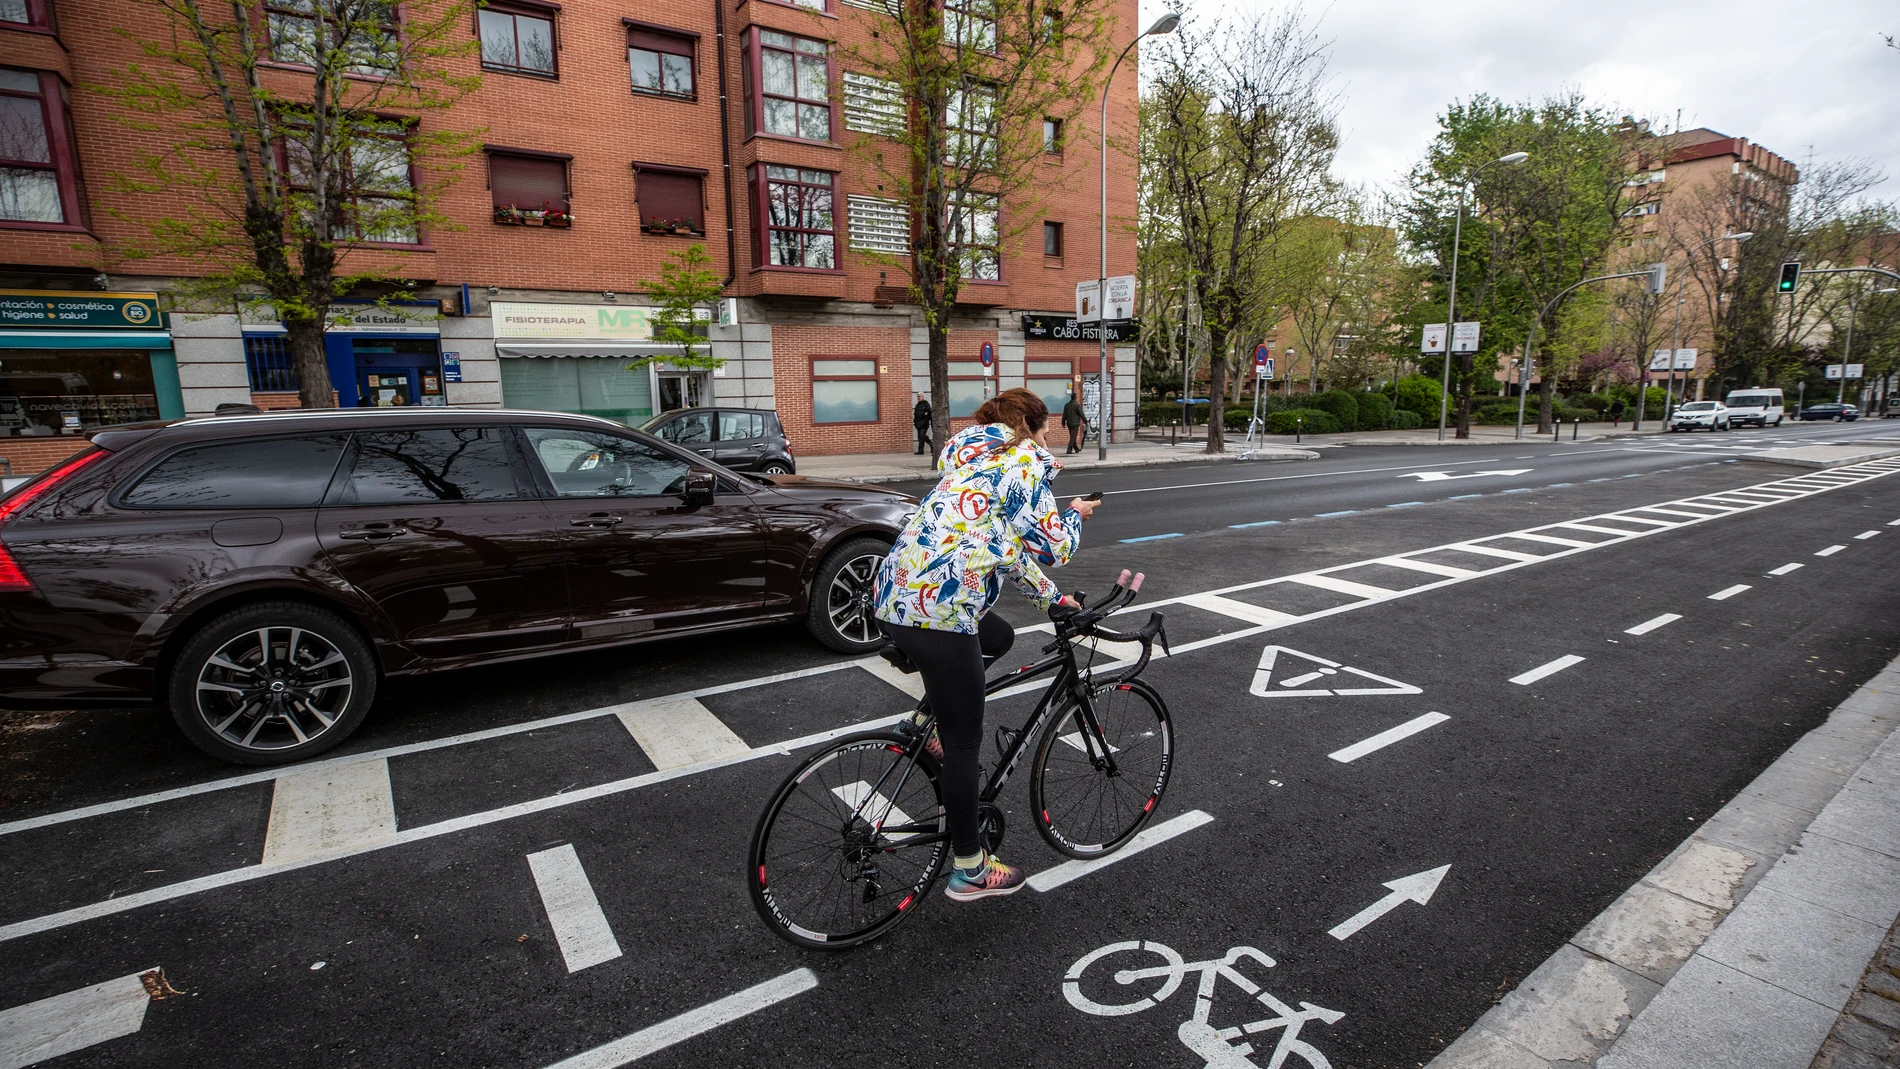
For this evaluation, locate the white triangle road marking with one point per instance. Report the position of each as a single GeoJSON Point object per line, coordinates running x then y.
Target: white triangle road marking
{"type": "Point", "coordinates": [1293, 680]}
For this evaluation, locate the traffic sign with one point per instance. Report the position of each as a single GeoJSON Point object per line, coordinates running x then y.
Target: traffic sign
{"type": "Point", "coordinates": [1433, 340]}
{"type": "Point", "coordinates": [1464, 337]}
{"type": "Point", "coordinates": [1685, 360]}
{"type": "Point", "coordinates": [987, 354]}
{"type": "Point", "coordinates": [1659, 361]}
{"type": "Point", "coordinates": [1265, 370]}
{"type": "Point", "coordinates": [1260, 356]}
{"type": "Point", "coordinates": [1833, 371]}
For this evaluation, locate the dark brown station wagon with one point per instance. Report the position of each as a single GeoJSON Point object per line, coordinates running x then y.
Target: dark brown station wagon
{"type": "Point", "coordinates": [260, 574]}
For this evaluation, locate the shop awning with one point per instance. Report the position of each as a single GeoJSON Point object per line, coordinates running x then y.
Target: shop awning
{"type": "Point", "coordinates": [610, 350]}
{"type": "Point", "coordinates": [84, 339]}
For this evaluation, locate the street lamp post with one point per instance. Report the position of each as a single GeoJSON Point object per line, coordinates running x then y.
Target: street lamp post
{"type": "Point", "coordinates": [1847, 348]}
{"type": "Point", "coordinates": [1524, 365]}
{"type": "Point", "coordinates": [1675, 332]}
{"type": "Point", "coordinates": [1451, 309]}
{"type": "Point", "coordinates": [1104, 403]}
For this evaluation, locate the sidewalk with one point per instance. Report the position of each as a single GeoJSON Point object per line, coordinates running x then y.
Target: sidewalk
{"type": "Point", "coordinates": [1746, 947]}
{"type": "Point", "coordinates": [903, 467]}
{"type": "Point", "coordinates": [1480, 435]}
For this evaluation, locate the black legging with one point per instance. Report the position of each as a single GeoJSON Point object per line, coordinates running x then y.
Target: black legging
{"type": "Point", "coordinates": [952, 665]}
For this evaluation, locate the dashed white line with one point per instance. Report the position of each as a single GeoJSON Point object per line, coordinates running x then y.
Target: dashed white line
{"type": "Point", "coordinates": [1551, 669]}
{"type": "Point", "coordinates": [1784, 569]}
{"type": "Point", "coordinates": [679, 733]}
{"type": "Point", "coordinates": [1050, 879]}
{"type": "Point", "coordinates": [1647, 626]}
{"type": "Point", "coordinates": [1864, 535]}
{"type": "Point", "coordinates": [1893, 523]}
{"type": "Point", "coordinates": [37, 1031]}
{"type": "Point", "coordinates": [631, 1048]}
{"type": "Point", "coordinates": [1829, 551]}
{"type": "Point", "coordinates": [1386, 738]}
{"type": "Point", "coordinates": [1728, 592]}
{"type": "Point", "coordinates": [580, 928]}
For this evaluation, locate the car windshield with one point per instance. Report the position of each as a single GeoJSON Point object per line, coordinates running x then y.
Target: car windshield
{"type": "Point", "coordinates": [1699, 406]}
{"type": "Point", "coordinates": [1750, 400]}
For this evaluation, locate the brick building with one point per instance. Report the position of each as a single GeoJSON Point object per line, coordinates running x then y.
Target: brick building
{"type": "Point", "coordinates": [603, 148]}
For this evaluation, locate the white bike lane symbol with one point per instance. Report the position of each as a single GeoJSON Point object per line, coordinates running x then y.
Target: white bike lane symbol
{"type": "Point", "coordinates": [1220, 1048]}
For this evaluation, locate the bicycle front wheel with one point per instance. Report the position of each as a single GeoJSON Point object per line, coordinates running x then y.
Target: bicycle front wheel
{"type": "Point", "coordinates": [849, 842]}
{"type": "Point", "coordinates": [1081, 809]}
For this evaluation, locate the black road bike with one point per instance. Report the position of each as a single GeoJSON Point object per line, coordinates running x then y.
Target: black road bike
{"type": "Point", "coordinates": [857, 834]}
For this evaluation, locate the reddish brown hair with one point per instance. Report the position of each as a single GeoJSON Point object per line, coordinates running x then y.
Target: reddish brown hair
{"type": "Point", "coordinates": [1022, 410]}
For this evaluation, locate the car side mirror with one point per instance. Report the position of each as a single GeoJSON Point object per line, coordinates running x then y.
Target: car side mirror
{"type": "Point", "coordinates": [700, 486]}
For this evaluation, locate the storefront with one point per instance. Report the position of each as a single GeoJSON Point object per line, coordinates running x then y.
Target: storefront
{"type": "Point", "coordinates": [1063, 356]}
{"type": "Point", "coordinates": [582, 358]}
{"type": "Point", "coordinates": [72, 362]}
{"type": "Point", "coordinates": [380, 355]}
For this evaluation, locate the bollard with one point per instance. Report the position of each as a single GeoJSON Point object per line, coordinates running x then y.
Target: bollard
{"type": "Point", "coordinates": [1297, 421]}
{"type": "Point", "coordinates": [1575, 426]}
{"type": "Point", "coordinates": [1556, 430]}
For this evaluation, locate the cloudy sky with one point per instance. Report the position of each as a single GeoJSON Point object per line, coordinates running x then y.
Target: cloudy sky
{"type": "Point", "coordinates": [1786, 74]}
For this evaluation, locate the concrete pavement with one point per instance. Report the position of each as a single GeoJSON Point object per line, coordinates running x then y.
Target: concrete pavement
{"type": "Point", "coordinates": [905, 467]}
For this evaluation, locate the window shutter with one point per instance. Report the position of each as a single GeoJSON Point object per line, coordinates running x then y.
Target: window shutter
{"type": "Point", "coordinates": [878, 225]}
{"type": "Point", "coordinates": [659, 42]}
{"type": "Point", "coordinates": [526, 182]}
{"type": "Point", "coordinates": [666, 198]}
{"type": "Point", "coordinates": [873, 105]}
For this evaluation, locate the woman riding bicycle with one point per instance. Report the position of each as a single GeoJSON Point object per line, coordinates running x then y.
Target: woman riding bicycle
{"type": "Point", "coordinates": [992, 515]}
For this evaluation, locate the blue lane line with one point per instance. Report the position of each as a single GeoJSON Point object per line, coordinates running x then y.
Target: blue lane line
{"type": "Point", "coordinates": [1329, 515]}
{"type": "Point", "coordinates": [1463, 497]}
{"type": "Point", "coordinates": [1605, 479]}
{"type": "Point", "coordinates": [1405, 504]}
{"type": "Point", "coordinates": [1151, 538]}
{"type": "Point", "coordinates": [1256, 523]}
{"type": "Point", "coordinates": [1521, 489]}
{"type": "Point", "coordinates": [1556, 486]}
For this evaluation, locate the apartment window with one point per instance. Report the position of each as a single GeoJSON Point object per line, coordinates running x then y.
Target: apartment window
{"type": "Point", "coordinates": [810, 5]}
{"type": "Point", "coordinates": [375, 195]}
{"type": "Point", "coordinates": [661, 61]}
{"type": "Point", "coordinates": [1050, 380]}
{"type": "Point", "coordinates": [796, 203]}
{"type": "Point", "coordinates": [1051, 239]}
{"type": "Point", "coordinates": [843, 391]}
{"type": "Point", "coordinates": [1649, 208]}
{"type": "Point", "coordinates": [671, 199]}
{"type": "Point", "coordinates": [970, 126]}
{"type": "Point", "coordinates": [35, 13]}
{"type": "Point", "coordinates": [367, 41]}
{"type": "Point", "coordinates": [1052, 136]}
{"type": "Point", "coordinates": [519, 40]}
{"type": "Point", "coordinates": [970, 24]}
{"type": "Point", "coordinates": [973, 233]}
{"type": "Point", "coordinates": [529, 187]}
{"type": "Point", "coordinates": [966, 388]}
{"type": "Point", "coordinates": [39, 169]}
{"type": "Point", "coordinates": [793, 76]}
{"type": "Point", "coordinates": [893, 8]}
{"type": "Point", "coordinates": [873, 105]}
{"type": "Point", "coordinates": [878, 225]}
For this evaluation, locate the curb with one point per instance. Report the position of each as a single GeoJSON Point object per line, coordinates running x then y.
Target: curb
{"type": "Point", "coordinates": [1192, 458]}
{"type": "Point", "coordinates": [1822, 464]}
{"type": "Point", "coordinates": [1688, 967]}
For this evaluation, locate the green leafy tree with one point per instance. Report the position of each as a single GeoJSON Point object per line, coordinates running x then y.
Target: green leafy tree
{"type": "Point", "coordinates": [682, 300]}
{"type": "Point", "coordinates": [278, 170]}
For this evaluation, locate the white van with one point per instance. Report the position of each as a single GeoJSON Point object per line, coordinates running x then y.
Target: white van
{"type": "Point", "coordinates": [1755, 406]}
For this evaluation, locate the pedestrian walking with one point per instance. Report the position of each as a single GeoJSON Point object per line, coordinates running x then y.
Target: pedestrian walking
{"type": "Point", "coordinates": [1616, 412]}
{"type": "Point", "coordinates": [1074, 419]}
{"type": "Point", "coordinates": [920, 419]}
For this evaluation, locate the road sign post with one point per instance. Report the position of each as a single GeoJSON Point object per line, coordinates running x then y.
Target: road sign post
{"type": "Point", "coordinates": [1432, 340]}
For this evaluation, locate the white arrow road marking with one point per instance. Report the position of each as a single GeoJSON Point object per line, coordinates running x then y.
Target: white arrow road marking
{"type": "Point", "coordinates": [1050, 879]}
{"type": "Point", "coordinates": [1263, 683]}
{"type": "Point", "coordinates": [1445, 476]}
{"type": "Point", "coordinates": [580, 928]}
{"type": "Point", "coordinates": [631, 1048]}
{"type": "Point", "coordinates": [1386, 738]}
{"type": "Point", "coordinates": [1417, 887]}
{"type": "Point", "coordinates": [1527, 678]}
{"type": "Point", "coordinates": [73, 1021]}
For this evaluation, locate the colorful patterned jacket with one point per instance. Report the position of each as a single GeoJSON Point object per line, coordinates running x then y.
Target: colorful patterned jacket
{"type": "Point", "coordinates": [993, 514]}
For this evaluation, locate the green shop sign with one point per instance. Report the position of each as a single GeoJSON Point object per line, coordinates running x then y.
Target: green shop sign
{"type": "Point", "coordinates": [60, 308]}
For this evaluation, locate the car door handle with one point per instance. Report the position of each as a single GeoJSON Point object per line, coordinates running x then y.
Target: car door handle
{"type": "Point", "coordinates": [598, 519]}
{"type": "Point", "coordinates": [704, 452]}
{"type": "Point", "coordinates": [374, 532]}
{"type": "Point", "coordinates": [760, 446]}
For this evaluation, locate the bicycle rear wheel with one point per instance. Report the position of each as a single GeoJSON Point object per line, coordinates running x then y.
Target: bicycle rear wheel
{"type": "Point", "coordinates": [849, 842]}
{"type": "Point", "coordinates": [1080, 809]}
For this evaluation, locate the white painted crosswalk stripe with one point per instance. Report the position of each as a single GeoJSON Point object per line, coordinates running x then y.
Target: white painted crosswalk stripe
{"type": "Point", "coordinates": [680, 733]}
{"type": "Point", "coordinates": [1050, 879]}
{"type": "Point", "coordinates": [64, 1023]}
{"type": "Point", "coordinates": [1551, 669]}
{"type": "Point", "coordinates": [580, 927]}
{"type": "Point", "coordinates": [1388, 737]}
{"type": "Point", "coordinates": [1428, 567]}
{"type": "Point", "coordinates": [330, 810]}
{"type": "Point", "coordinates": [1343, 586]}
{"type": "Point", "coordinates": [1239, 610]}
{"type": "Point", "coordinates": [631, 1048]}
{"type": "Point", "coordinates": [1728, 592]}
{"type": "Point", "coordinates": [1647, 626]}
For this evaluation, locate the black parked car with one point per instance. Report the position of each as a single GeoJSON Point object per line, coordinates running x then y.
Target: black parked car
{"type": "Point", "coordinates": [262, 573]}
{"type": "Point", "coordinates": [1830, 410]}
{"type": "Point", "coordinates": [743, 439]}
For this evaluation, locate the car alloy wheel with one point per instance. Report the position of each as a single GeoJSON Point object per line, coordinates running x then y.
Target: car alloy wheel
{"type": "Point", "coordinates": [274, 688]}
{"type": "Point", "coordinates": [848, 600]}
{"type": "Point", "coordinates": [774, 468]}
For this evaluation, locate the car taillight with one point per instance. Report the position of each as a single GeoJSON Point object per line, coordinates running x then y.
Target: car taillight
{"type": "Point", "coordinates": [11, 577]}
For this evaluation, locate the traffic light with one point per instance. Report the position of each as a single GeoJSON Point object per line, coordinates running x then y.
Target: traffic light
{"type": "Point", "coordinates": [1790, 274]}
{"type": "Point", "coordinates": [1657, 273]}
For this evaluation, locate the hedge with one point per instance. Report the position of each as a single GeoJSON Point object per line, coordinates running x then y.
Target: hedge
{"type": "Point", "coordinates": [1341, 405]}
{"type": "Point", "coordinates": [1375, 411]}
{"type": "Point", "coordinates": [1309, 420]}
{"type": "Point", "coordinates": [1403, 420]}
{"type": "Point", "coordinates": [1416, 393]}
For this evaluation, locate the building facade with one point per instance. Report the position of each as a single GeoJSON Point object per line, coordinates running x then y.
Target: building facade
{"type": "Point", "coordinates": [603, 148]}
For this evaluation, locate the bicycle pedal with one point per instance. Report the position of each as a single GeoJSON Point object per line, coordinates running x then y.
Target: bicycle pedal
{"type": "Point", "coordinates": [1005, 738]}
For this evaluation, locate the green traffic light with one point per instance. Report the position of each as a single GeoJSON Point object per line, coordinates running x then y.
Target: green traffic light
{"type": "Point", "coordinates": [1790, 274]}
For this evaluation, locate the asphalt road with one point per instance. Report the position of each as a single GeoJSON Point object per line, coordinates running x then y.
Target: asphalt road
{"type": "Point", "coordinates": [427, 937]}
